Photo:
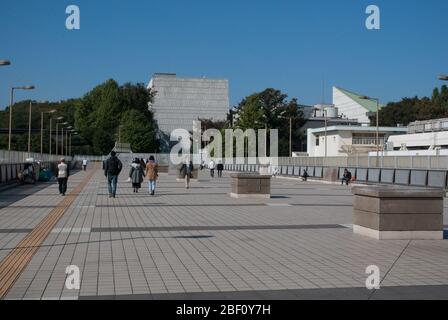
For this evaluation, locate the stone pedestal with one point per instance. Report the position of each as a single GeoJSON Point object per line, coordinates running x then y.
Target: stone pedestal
{"type": "Point", "coordinates": [246, 185]}
{"type": "Point", "coordinates": [393, 212]}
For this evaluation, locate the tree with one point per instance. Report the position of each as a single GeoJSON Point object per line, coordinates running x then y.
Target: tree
{"type": "Point", "coordinates": [139, 132]}
{"type": "Point", "coordinates": [270, 109]}
{"type": "Point", "coordinates": [102, 110]}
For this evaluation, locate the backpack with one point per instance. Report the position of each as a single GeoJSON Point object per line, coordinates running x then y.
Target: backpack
{"type": "Point", "coordinates": [114, 166]}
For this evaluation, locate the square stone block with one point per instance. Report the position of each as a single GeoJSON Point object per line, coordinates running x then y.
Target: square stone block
{"type": "Point", "coordinates": [394, 212]}
{"type": "Point", "coordinates": [245, 185]}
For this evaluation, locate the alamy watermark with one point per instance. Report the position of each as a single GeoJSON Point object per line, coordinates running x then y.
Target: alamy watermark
{"type": "Point", "coordinates": [240, 147]}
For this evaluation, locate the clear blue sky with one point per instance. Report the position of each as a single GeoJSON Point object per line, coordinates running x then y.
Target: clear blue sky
{"type": "Point", "coordinates": [289, 45]}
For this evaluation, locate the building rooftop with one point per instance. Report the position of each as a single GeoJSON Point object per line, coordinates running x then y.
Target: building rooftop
{"type": "Point", "coordinates": [369, 105]}
{"type": "Point", "coordinates": [360, 129]}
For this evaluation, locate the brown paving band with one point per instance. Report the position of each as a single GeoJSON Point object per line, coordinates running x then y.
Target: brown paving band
{"type": "Point", "coordinates": [12, 266]}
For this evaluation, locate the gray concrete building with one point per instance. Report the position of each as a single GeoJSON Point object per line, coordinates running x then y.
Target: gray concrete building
{"type": "Point", "coordinates": [180, 101]}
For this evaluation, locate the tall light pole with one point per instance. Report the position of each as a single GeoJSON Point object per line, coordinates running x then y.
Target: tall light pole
{"type": "Point", "coordinates": [377, 126]}
{"type": "Point", "coordinates": [57, 133]}
{"type": "Point", "coordinates": [62, 140]}
{"type": "Point", "coordinates": [67, 130]}
{"type": "Point", "coordinates": [29, 128]}
{"type": "Point", "coordinates": [10, 109]}
{"type": "Point", "coordinates": [42, 131]}
{"type": "Point", "coordinates": [72, 133]}
{"type": "Point", "coordinates": [5, 62]}
{"type": "Point", "coordinates": [443, 78]}
{"type": "Point", "coordinates": [290, 136]}
{"type": "Point", "coordinates": [326, 131]}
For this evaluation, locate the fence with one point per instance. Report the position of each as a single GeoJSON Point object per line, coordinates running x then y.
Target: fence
{"type": "Point", "coordinates": [393, 162]}
{"type": "Point", "coordinates": [14, 157]}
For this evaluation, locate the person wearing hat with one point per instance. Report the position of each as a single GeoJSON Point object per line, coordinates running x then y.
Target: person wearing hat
{"type": "Point", "coordinates": [63, 173]}
{"type": "Point", "coordinates": [136, 175]}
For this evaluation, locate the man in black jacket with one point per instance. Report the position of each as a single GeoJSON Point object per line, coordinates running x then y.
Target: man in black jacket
{"type": "Point", "coordinates": [112, 169]}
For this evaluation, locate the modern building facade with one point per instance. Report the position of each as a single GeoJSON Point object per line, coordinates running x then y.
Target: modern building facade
{"type": "Point", "coordinates": [347, 140]}
{"type": "Point", "coordinates": [180, 101]}
{"type": "Point", "coordinates": [352, 106]}
{"type": "Point", "coordinates": [424, 137]}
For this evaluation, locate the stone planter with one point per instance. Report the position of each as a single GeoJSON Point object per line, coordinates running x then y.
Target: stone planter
{"type": "Point", "coordinates": [246, 185]}
{"type": "Point", "coordinates": [393, 212]}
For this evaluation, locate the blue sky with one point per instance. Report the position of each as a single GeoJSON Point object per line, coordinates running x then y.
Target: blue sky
{"type": "Point", "coordinates": [289, 45]}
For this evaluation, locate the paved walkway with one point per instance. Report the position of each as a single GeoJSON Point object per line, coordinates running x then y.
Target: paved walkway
{"type": "Point", "coordinates": [201, 244]}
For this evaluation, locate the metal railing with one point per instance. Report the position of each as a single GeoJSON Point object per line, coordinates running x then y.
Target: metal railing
{"type": "Point", "coordinates": [21, 157]}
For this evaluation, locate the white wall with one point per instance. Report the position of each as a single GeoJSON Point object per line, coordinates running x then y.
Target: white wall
{"type": "Point", "coordinates": [423, 140]}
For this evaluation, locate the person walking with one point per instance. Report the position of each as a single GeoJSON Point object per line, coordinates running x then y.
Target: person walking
{"type": "Point", "coordinates": [152, 173]}
{"type": "Point", "coordinates": [63, 173]}
{"type": "Point", "coordinates": [84, 164]}
{"type": "Point", "coordinates": [136, 175]}
{"type": "Point", "coordinates": [220, 168]}
{"type": "Point", "coordinates": [186, 172]}
{"type": "Point", "coordinates": [211, 166]}
{"type": "Point", "coordinates": [112, 169]}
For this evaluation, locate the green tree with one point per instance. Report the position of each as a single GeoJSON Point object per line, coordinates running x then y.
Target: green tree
{"type": "Point", "coordinates": [270, 109]}
{"type": "Point", "coordinates": [139, 132]}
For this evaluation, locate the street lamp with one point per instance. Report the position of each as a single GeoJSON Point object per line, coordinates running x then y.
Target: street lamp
{"type": "Point", "coordinates": [5, 62]}
{"type": "Point", "coordinates": [66, 139]}
{"type": "Point", "coordinates": [51, 131]}
{"type": "Point", "coordinates": [10, 109]}
{"type": "Point", "coordinates": [377, 126]}
{"type": "Point", "coordinates": [57, 135]}
{"type": "Point", "coordinates": [72, 133]}
{"type": "Point", "coordinates": [443, 77]}
{"type": "Point", "coordinates": [42, 131]}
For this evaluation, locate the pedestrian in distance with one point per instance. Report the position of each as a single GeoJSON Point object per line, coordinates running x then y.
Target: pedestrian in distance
{"type": "Point", "coordinates": [84, 164]}
{"type": "Point", "coordinates": [305, 175]}
{"type": "Point", "coordinates": [211, 166]}
{"type": "Point", "coordinates": [63, 173]}
{"type": "Point", "coordinates": [136, 175]}
{"type": "Point", "coordinates": [347, 177]}
{"type": "Point", "coordinates": [220, 168]}
{"type": "Point", "coordinates": [186, 171]}
{"type": "Point", "coordinates": [112, 169]}
{"type": "Point", "coordinates": [152, 173]}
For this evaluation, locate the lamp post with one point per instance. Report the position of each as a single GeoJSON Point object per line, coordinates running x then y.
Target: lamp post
{"type": "Point", "coordinates": [443, 77]}
{"type": "Point", "coordinates": [10, 109]}
{"type": "Point", "coordinates": [5, 62]}
{"type": "Point", "coordinates": [377, 126]}
{"type": "Point", "coordinates": [290, 136]}
{"type": "Point", "coordinates": [67, 130]}
{"type": "Point", "coordinates": [57, 134]}
{"type": "Point", "coordinates": [42, 131]}
{"type": "Point", "coordinates": [326, 132]}
{"type": "Point", "coordinates": [29, 128]}
{"type": "Point", "coordinates": [62, 138]}
{"type": "Point", "coordinates": [72, 133]}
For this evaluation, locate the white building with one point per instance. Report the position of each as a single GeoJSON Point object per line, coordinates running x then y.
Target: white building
{"type": "Point", "coordinates": [350, 105]}
{"type": "Point", "coordinates": [423, 138]}
{"type": "Point", "coordinates": [180, 101]}
{"type": "Point", "coordinates": [347, 140]}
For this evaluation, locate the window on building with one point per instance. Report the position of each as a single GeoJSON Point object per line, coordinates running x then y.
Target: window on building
{"type": "Point", "coordinates": [317, 141]}
{"type": "Point", "coordinates": [368, 138]}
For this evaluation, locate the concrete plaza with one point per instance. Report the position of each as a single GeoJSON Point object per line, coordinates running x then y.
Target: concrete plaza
{"type": "Point", "coordinates": [202, 244]}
